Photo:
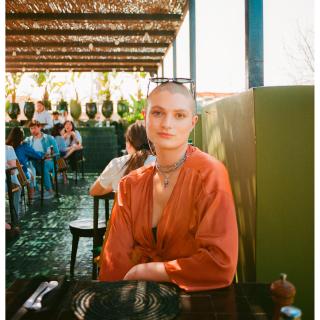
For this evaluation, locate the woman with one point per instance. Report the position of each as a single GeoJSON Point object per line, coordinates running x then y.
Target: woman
{"type": "Point", "coordinates": [57, 132]}
{"type": "Point", "coordinates": [73, 141]}
{"type": "Point", "coordinates": [174, 221]}
{"type": "Point", "coordinates": [138, 155]}
{"type": "Point", "coordinates": [24, 153]}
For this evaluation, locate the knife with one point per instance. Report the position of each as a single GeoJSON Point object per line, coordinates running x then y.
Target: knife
{"type": "Point", "coordinates": [24, 308]}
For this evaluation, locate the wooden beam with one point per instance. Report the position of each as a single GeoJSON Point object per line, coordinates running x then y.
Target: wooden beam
{"type": "Point", "coordinates": [83, 53]}
{"type": "Point", "coordinates": [90, 16]}
{"type": "Point", "coordinates": [79, 44]}
{"type": "Point", "coordinates": [37, 59]}
{"type": "Point", "coordinates": [78, 68]}
{"type": "Point", "coordinates": [87, 32]}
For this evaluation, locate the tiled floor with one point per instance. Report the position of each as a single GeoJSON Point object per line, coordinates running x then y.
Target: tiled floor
{"type": "Point", "coordinates": [44, 246]}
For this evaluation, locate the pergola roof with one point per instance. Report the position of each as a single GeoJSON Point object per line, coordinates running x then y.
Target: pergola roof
{"type": "Point", "coordinates": [87, 35]}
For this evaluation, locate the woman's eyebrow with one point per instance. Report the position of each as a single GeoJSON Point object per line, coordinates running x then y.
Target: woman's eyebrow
{"type": "Point", "coordinates": [174, 110]}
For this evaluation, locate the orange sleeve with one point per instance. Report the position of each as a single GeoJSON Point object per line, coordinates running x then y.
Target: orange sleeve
{"type": "Point", "coordinates": [115, 257]}
{"type": "Point", "coordinates": [214, 263]}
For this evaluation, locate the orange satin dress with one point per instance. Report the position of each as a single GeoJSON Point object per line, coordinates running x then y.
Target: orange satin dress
{"type": "Point", "coordinates": [197, 236]}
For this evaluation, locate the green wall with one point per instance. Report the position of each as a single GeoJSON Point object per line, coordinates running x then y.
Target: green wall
{"type": "Point", "coordinates": [100, 146]}
{"type": "Point", "coordinates": [265, 137]}
{"type": "Point", "coordinates": [285, 186]}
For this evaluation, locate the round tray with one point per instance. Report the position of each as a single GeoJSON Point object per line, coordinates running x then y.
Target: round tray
{"type": "Point", "coordinates": [127, 300]}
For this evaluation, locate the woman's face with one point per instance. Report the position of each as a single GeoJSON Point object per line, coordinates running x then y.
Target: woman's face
{"type": "Point", "coordinates": [68, 126]}
{"type": "Point", "coordinates": [169, 120]}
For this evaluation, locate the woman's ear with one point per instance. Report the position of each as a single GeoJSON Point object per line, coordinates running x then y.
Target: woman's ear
{"type": "Point", "coordinates": [194, 120]}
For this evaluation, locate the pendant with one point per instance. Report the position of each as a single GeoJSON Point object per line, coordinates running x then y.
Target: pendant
{"type": "Point", "coordinates": [165, 182]}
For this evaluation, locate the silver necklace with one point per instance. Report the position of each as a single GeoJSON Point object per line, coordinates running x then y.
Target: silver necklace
{"type": "Point", "coordinates": [166, 170]}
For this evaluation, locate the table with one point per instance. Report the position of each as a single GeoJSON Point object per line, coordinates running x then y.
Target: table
{"type": "Point", "coordinates": [239, 301]}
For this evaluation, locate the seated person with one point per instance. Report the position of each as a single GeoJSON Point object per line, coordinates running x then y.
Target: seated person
{"type": "Point", "coordinates": [42, 142]}
{"type": "Point", "coordinates": [57, 132]}
{"type": "Point", "coordinates": [55, 118]}
{"type": "Point", "coordinates": [42, 116]}
{"type": "Point", "coordinates": [24, 153]}
{"type": "Point", "coordinates": [73, 141]}
{"type": "Point", "coordinates": [173, 221]}
{"type": "Point", "coordinates": [11, 158]}
{"type": "Point", "coordinates": [138, 155]}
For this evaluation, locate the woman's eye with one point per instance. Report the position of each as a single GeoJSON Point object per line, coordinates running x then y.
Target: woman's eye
{"type": "Point", "coordinates": [180, 115]}
{"type": "Point", "coordinates": [156, 113]}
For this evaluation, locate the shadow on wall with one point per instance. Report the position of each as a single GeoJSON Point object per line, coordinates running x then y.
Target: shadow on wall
{"type": "Point", "coordinates": [229, 135]}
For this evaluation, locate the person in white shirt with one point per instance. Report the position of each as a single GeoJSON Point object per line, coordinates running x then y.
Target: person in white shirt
{"type": "Point", "coordinates": [139, 154]}
{"type": "Point", "coordinates": [11, 158]}
{"type": "Point", "coordinates": [43, 116]}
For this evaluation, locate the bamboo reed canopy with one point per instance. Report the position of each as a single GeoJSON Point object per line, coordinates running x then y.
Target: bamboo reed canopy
{"type": "Point", "coordinates": [81, 35]}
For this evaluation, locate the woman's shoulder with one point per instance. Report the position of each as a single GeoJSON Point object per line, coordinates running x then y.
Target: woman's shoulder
{"type": "Point", "coordinates": [198, 159]}
{"type": "Point", "coordinates": [211, 171]}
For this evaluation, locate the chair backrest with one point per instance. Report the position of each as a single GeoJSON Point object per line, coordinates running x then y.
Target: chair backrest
{"type": "Point", "coordinates": [61, 164]}
{"type": "Point", "coordinates": [21, 175]}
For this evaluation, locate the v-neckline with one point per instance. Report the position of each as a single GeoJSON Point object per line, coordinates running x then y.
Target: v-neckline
{"type": "Point", "coordinates": [150, 213]}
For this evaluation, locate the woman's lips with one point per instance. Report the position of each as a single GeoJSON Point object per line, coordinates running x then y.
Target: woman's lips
{"type": "Point", "coordinates": [165, 135]}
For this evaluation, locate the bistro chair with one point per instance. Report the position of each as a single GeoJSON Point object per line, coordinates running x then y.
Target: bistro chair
{"type": "Point", "coordinates": [23, 183]}
{"type": "Point", "coordinates": [80, 162]}
{"type": "Point", "coordinates": [90, 228]}
{"type": "Point", "coordinates": [11, 188]}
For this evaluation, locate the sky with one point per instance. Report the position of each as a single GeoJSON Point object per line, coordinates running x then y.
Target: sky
{"type": "Point", "coordinates": [220, 44]}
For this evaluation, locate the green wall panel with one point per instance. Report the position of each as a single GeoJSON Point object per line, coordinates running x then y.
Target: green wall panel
{"type": "Point", "coordinates": [265, 137]}
{"type": "Point", "coordinates": [285, 140]}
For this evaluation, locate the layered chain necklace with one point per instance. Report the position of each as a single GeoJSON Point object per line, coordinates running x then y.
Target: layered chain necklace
{"type": "Point", "coordinates": [166, 170]}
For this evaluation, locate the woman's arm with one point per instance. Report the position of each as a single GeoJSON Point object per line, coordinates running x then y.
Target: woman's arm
{"type": "Point", "coordinates": [152, 271]}
{"type": "Point", "coordinates": [98, 190]}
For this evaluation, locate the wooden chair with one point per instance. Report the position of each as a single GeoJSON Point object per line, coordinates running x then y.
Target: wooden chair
{"type": "Point", "coordinates": [23, 183]}
{"type": "Point", "coordinates": [79, 162]}
{"type": "Point", "coordinates": [11, 188]}
{"type": "Point", "coordinates": [62, 167]}
{"type": "Point", "coordinates": [90, 228]}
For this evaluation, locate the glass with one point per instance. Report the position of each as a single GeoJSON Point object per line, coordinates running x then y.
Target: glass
{"type": "Point", "coordinates": [181, 81]}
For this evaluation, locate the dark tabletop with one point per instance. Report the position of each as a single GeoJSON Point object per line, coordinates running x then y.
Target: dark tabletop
{"type": "Point", "coordinates": [239, 301]}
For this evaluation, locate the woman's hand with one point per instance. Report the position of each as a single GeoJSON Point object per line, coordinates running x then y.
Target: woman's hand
{"type": "Point", "coordinates": [152, 271]}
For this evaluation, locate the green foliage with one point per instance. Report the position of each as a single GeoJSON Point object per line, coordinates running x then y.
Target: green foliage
{"type": "Point", "coordinates": [135, 112]}
{"type": "Point", "coordinates": [39, 78]}
{"type": "Point", "coordinates": [104, 83]}
{"type": "Point", "coordinates": [11, 84]}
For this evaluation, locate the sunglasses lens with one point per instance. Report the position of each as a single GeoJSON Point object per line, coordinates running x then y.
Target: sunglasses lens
{"type": "Point", "coordinates": [175, 80]}
{"type": "Point", "coordinates": [159, 80]}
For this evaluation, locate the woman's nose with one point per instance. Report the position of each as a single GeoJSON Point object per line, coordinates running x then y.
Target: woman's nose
{"type": "Point", "coordinates": [167, 121]}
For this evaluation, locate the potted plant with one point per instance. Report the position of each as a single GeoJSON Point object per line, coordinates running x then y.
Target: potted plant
{"type": "Point", "coordinates": [91, 109]}
{"type": "Point", "coordinates": [29, 109]}
{"type": "Point", "coordinates": [43, 78]}
{"type": "Point", "coordinates": [107, 105]}
{"type": "Point", "coordinates": [12, 82]}
{"type": "Point", "coordinates": [75, 105]}
{"type": "Point", "coordinates": [62, 105]}
{"type": "Point", "coordinates": [123, 107]}
{"type": "Point", "coordinates": [135, 110]}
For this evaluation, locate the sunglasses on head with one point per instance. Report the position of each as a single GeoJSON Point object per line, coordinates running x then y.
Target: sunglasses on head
{"type": "Point", "coordinates": [181, 81]}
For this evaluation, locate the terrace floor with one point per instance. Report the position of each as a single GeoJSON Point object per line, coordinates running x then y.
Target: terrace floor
{"type": "Point", "coordinates": [44, 245]}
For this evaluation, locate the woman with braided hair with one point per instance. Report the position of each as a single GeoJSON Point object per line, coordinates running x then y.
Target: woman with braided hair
{"type": "Point", "coordinates": [138, 155]}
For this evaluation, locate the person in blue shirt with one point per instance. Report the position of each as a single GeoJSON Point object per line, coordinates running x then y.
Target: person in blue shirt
{"type": "Point", "coordinates": [44, 143]}
{"type": "Point", "coordinates": [24, 153]}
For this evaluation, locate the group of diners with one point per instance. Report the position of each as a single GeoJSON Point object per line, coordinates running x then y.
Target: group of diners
{"type": "Point", "coordinates": [39, 149]}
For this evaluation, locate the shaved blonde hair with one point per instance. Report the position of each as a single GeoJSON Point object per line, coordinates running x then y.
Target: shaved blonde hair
{"type": "Point", "coordinates": [174, 88]}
